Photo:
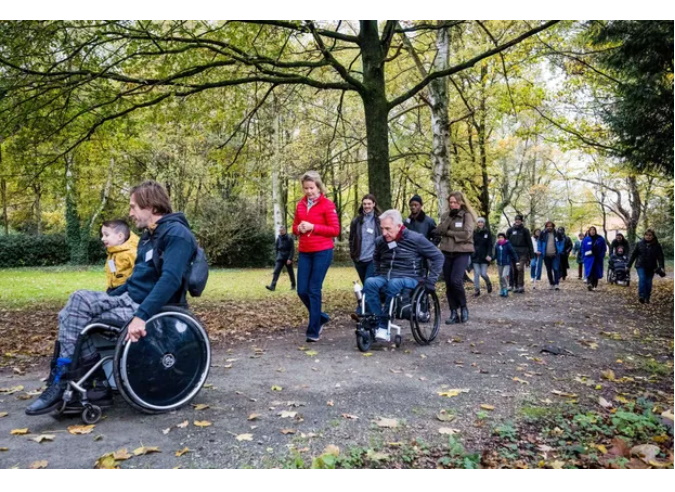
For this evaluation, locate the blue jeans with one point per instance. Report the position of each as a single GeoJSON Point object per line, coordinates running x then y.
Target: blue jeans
{"type": "Point", "coordinates": [375, 285]}
{"type": "Point", "coordinates": [645, 278]}
{"type": "Point", "coordinates": [365, 269]}
{"type": "Point", "coordinates": [535, 267]}
{"type": "Point", "coordinates": [312, 269]}
{"type": "Point", "coordinates": [552, 273]}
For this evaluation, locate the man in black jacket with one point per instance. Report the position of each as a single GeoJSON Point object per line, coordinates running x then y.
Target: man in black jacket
{"type": "Point", "coordinates": [418, 221]}
{"type": "Point", "coordinates": [285, 249]}
{"type": "Point", "coordinates": [398, 259]}
{"type": "Point", "coordinates": [519, 237]}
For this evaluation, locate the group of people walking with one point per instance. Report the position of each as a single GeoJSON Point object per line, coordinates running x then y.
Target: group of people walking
{"type": "Point", "coordinates": [466, 243]}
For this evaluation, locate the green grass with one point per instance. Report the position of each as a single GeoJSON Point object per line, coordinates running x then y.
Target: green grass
{"type": "Point", "coordinates": [51, 286]}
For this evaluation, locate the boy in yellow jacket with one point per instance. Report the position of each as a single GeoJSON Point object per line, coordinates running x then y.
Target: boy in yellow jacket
{"type": "Point", "coordinates": [121, 244]}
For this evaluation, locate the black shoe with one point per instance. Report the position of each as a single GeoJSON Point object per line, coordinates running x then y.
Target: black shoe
{"type": "Point", "coordinates": [647, 300]}
{"type": "Point", "coordinates": [489, 288]}
{"type": "Point", "coordinates": [292, 287]}
{"type": "Point", "coordinates": [590, 287]}
{"type": "Point", "coordinates": [476, 293]}
{"type": "Point", "coordinates": [311, 340]}
{"type": "Point", "coordinates": [49, 400]}
{"type": "Point", "coordinates": [642, 301]}
{"type": "Point", "coordinates": [465, 315]}
{"type": "Point", "coordinates": [270, 287]}
{"type": "Point", "coordinates": [454, 317]}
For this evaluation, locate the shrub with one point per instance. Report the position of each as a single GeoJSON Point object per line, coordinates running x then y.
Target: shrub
{"type": "Point", "coordinates": [27, 250]}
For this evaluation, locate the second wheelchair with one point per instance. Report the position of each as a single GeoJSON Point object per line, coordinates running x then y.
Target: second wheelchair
{"type": "Point", "coordinates": [420, 306]}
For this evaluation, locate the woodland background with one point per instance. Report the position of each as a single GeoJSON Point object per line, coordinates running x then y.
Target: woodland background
{"type": "Point", "coordinates": [570, 121]}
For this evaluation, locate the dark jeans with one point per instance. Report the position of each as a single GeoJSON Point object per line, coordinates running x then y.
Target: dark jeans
{"type": "Point", "coordinates": [645, 278]}
{"type": "Point", "coordinates": [376, 284]}
{"type": "Point", "coordinates": [517, 279]}
{"type": "Point", "coordinates": [453, 272]}
{"type": "Point", "coordinates": [278, 266]}
{"type": "Point", "coordinates": [552, 274]}
{"type": "Point", "coordinates": [312, 269]}
{"type": "Point", "coordinates": [581, 270]}
{"type": "Point", "coordinates": [365, 269]}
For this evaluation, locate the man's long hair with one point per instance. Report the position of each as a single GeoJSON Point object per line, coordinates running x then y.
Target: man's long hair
{"type": "Point", "coordinates": [151, 194]}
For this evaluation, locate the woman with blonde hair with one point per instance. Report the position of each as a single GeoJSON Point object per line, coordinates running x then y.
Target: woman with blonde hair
{"type": "Point", "coordinates": [456, 232]}
{"type": "Point", "coordinates": [316, 224]}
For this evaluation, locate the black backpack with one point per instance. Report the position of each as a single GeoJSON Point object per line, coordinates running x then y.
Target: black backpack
{"type": "Point", "coordinates": [198, 274]}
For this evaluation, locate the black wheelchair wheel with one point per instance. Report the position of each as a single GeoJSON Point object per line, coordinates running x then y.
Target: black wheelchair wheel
{"type": "Point", "coordinates": [398, 341]}
{"type": "Point", "coordinates": [425, 316]}
{"type": "Point", "coordinates": [91, 414]}
{"type": "Point", "coordinates": [363, 339]}
{"type": "Point", "coordinates": [168, 367]}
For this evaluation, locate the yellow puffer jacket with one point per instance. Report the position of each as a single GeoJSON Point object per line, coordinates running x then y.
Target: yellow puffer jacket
{"type": "Point", "coordinates": [120, 262]}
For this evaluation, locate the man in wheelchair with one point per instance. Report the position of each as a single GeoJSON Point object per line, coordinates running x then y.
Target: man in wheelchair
{"type": "Point", "coordinates": [398, 257]}
{"type": "Point", "coordinates": [165, 253]}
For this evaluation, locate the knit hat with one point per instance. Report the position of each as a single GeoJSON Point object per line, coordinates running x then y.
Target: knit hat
{"type": "Point", "coordinates": [480, 219]}
{"type": "Point", "coordinates": [416, 198]}
{"type": "Point", "coordinates": [519, 217]}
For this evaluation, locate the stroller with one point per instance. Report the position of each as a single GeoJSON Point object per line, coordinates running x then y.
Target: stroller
{"type": "Point", "coordinates": [617, 271]}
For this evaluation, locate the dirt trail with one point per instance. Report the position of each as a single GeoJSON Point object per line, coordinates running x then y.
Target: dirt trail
{"type": "Point", "coordinates": [331, 394]}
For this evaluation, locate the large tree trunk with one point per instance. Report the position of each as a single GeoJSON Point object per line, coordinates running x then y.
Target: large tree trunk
{"type": "Point", "coordinates": [277, 202]}
{"type": "Point", "coordinates": [376, 110]}
{"type": "Point", "coordinates": [3, 190]}
{"type": "Point", "coordinates": [635, 209]}
{"type": "Point", "coordinates": [440, 124]}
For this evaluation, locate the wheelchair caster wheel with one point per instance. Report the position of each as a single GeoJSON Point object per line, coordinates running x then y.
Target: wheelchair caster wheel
{"type": "Point", "coordinates": [398, 341]}
{"type": "Point", "coordinates": [363, 340]}
{"type": "Point", "coordinates": [91, 414]}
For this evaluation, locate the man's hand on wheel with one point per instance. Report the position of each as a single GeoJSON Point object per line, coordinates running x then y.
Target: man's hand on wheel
{"type": "Point", "coordinates": [429, 285]}
{"type": "Point", "coordinates": [136, 329]}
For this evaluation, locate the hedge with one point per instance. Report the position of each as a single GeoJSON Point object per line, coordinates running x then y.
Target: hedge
{"type": "Point", "coordinates": [25, 250]}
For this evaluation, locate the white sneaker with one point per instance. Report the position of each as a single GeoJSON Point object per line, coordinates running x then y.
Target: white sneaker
{"type": "Point", "coordinates": [382, 334]}
{"type": "Point", "coordinates": [551, 287]}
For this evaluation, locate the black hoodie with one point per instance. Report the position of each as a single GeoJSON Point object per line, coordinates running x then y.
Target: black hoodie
{"type": "Point", "coordinates": [162, 262]}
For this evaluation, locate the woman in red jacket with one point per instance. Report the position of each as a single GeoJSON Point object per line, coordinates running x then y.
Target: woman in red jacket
{"type": "Point", "coordinates": [315, 224]}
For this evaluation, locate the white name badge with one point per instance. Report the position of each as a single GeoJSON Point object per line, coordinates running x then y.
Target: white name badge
{"type": "Point", "coordinates": [148, 256]}
{"type": "Point", "coordinates": [485, 236]}
{"type": "Point", "coordinates": [514, 233]}
{"type": "Point", "coordinates": [458, 224]}
{"type": "Point", "coordinates": [392, 245]}
{"type": "Point", "coordinates": [111, 266]}
{"type": "Point", "coordinates": [407, 221]}
{"type": "Point", "coordinates": [369, 231]}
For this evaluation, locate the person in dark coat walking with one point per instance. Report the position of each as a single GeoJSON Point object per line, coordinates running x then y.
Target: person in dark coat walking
{"type": "Point", "coordinates": [619, 242]}
{"type": "Point", "coordinates": [565, 256]}
{"type": "Point", "coordinates": [648, 259]}
{"type": "Point", "coordinates": [521, 241]}
{"type": "Point", "coordinates": [418, 221]}
{"type": "Point", "coordinates": [593, 250]}
{"type": "Point", "coordinates": [504, 256]}
{"type": "Point", "coordinates": [482, 256]}
{"type": "Point", "coordinates": [284, 248]}
{"type": "Point", "coordinates": [363, 230]}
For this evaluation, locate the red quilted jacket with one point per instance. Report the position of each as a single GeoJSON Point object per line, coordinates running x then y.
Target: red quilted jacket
{"type": "Point", "coordinates": [326, 225]}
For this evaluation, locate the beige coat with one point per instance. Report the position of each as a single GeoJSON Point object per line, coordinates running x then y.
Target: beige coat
{"type": "Point", "coordinates": [457, 232]}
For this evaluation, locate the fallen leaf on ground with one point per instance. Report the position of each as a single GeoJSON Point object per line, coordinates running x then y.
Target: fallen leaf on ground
{"type": "Point", "coordinates": [367, 354]}
{"type": "Point", "coordinates": [448, 431]}
{"type": "Point", "coordinates": [43, 437]}
{"type": "Point", "coordinates": [285, 414]}
{"type": "Point", "coordinates": [564, 393]}
{"type": "Point", "coordinates": [4, 449]}
{"type": "Point", "coordinates": [166, 431]}
{"type": "Point", "coordinates": [13, 389]}
{"type": "Point", "coordinates": [244, 437]}
{"type": "Point", "coordinates": [453, 392]}
{"type": "Point", "coordinates": [444, 416]}
{"type": "Point", "coordinates": [201, 406]}
{"type": "Point", "coordinates": [521, 381]}
{"type": "Point", "coordinates": [19, 432]}
{"type": "Point", "coordinates": [619, 448]}
{"type": "Point", "coordinates": [106, 462]}
{"type": "Point", "coordinates": [646, 452]}
{"type": "Point", "coordinates": [330, 403]}
{"type": "Point", "coordinates": [288, 431]}
{"type": "Point", "coordinates": [182, 452]}
{"type": "Point", "coordinates": [557, 465]}
{"type": "Point", "coordinates": [183, 424]}
{"type": "Point", "coordinates": [485, 406]}
{"type": "Point", "coordinates": [604, 403]}
{"type": "Point", "coordinates": [387, 423]}
{"type": "Point", "coordinates": [36, 465]}
{"type": "Point", "coordinates": [122, 454]}
{"type": "Point", "coordinates": [81, 429]}
{"type": "Point", "coordinates": [3, 414]}
{"type": "Point", "coordinates": [276, 388]}
{"type": "Point", "coordinates": [376, 455]}
{"type": "Point", "coordinates": [146, 450]}
{"type": "Point", "coordinates": [253, 416]}
{"type": "Point", "coordinates": [349, 416]}
{"type": "Point", "coordinates": [311, 353]}
{"type": "Point", "coordinates": [332, 449]}
{"type": "Point", "coordinates": [202, 423]}
{"type": "Point", "coordinates": [608, 374]}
